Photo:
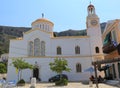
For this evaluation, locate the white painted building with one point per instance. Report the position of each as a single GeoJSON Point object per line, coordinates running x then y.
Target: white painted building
{"type": "Point", "coordinates": [39, 47]}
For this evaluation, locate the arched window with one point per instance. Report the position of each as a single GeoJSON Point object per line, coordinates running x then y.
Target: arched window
{"type": "Point", "coordinates": [97, 50]}
{"type": "Point", "coordinates": [30, 48]}
{"type": "Point", "coordinates": [78, 67]}
{"type": "Point", "coordinates": [46, 27]}
{"type": "Point", "coordinates": [37, 47]}
{"type": "Point", "coordinates": [59, 50]}
{"type": "Point", "coordinates": [42, 48]}
{"type": "Point", "coordinates": [40, 26]}
{"type": "Point", "coordinates": [43, 26]}
{"type": "Point", "coordinates": [77, 50]}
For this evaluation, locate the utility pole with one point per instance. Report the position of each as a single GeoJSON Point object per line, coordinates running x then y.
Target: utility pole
{"type": "Point", "coordinates": [96, 80]}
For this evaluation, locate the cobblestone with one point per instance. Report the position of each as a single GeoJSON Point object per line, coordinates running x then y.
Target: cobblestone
{"type": "Point", "coordinates": [70, 85]}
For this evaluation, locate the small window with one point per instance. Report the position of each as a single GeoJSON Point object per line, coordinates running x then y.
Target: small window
{"type": "Point", "coordinates": [42, 48]}
{"type": "Point", "coordinates": [43, 26]}
{"type": "Point", "coordinates": [97, 49]}
{"type": "Point", "coordinates": [58, 50]}
{"type": "Point", "coordinates": [46, 27]}
{"type": "Point", "coordinates": [78, 67]}
{"type": "Point", "coordinates": [40, 26]}
{"type": "Point", "coordinates": [37, 47]}
{"type": "Point", "coordinates": [77, 50]}
{"type": "Point", "coordinates": [30, 48]}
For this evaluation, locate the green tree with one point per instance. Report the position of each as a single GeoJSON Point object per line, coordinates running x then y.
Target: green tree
{"type": "Point", "coordinates": [3, 68]}
{"type": "Point", "coordinates": [59, 65]}
{"type": "Point", "coordinates": [20, 65]}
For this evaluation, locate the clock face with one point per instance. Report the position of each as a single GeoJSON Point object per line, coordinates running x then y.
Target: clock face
{"type": "Point", "coordinates": [94, 22]}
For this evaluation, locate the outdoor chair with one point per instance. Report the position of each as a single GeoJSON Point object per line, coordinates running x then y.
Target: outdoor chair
{"type": "Point", "coordinates": [11, 84]}
{"type": "Point", "coordinates": [2, 83]}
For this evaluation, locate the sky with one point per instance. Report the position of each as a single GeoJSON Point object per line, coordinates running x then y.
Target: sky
{"type": "Point", "coordinates": [65, 14]}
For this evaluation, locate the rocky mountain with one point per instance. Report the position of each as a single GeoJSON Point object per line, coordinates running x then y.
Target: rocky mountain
{"type": "Point", "coordinates": [13, 31]}
{"type": "Point", "coordinates": [7, 32]}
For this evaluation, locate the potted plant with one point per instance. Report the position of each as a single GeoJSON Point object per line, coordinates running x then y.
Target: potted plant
{"type": "Point", "coordinates": [21, 82]}
{"type": "Point", "coordinates": [61, 82]}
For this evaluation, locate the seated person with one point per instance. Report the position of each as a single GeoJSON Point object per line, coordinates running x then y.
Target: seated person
{"type": "Point", "coordinates": [100, 79]}
{"type": "Point", "coordinates": [92, 78]}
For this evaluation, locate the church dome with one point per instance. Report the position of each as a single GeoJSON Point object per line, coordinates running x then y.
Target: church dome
{"type": "Point", "coordinates": [42, 20]}
{"type": "Point", "coordinates": [43, 24]}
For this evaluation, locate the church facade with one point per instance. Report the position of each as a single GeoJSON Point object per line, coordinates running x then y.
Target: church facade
{"type": "Point", "coordinates": [39, 47]}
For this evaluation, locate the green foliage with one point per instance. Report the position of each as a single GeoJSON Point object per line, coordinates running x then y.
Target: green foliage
{"type": "Point", "coordinates": [61, 82]}
{"type": "Point", "coordinates": [20, 65]}
{"type": "Point", "coordinates": [3, 68]}
{"type": "Point", "coordinates": [59, 65]}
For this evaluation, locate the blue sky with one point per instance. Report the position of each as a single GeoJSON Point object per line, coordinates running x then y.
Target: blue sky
{"type": "Point", "coordinates": [65, 14]}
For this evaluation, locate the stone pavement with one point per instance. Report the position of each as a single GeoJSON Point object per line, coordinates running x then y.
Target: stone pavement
{"type": "Point", "coordinates": [70, 85]}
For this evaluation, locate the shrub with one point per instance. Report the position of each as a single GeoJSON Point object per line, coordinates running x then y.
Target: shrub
{"type": "Point", "coordinates": [21, 82]}
{"type": "Point", "coordinates": [61, 82]}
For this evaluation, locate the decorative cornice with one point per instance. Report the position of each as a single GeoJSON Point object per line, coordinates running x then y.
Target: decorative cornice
{"type": "Point", "coordinates": [77, 56]}
{"type": "Point", "coordinates": [35, 30]}
{"type": "Point", "coordinates": [66, 37]}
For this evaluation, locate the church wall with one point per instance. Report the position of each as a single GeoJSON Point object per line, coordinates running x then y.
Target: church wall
{"type": "Point", "coordinates": [87, 44]}
{"type": "Point", "coordinates": [68, 46]}
{"type": "Point", "coordinates": [18, 48]}
{"type": "Point", "coordinates": [68, 52]}
{"type": "Point", "coordinates": [44, 69]}
{"type": "Point", "coordinates": [96, 43]}
{"type": "Point", "coordinates": [36, 34]}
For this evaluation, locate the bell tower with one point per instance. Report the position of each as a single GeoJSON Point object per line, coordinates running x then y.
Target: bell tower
{"type": "Point", "coordinates": [94, 31]}
{"type": "Point", "coordinates": [91, 9]}
{"type": "Point", "coordinates": [92, 22]}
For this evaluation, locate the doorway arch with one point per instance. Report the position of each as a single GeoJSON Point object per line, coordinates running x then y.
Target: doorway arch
{"type": "Point", "coordinates": [36, 73]}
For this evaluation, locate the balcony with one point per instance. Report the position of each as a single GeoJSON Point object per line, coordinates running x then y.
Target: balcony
{"type": "Point", "coordinates": [109, 47]}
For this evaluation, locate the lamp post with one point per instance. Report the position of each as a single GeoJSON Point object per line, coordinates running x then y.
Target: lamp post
{"type": "Point", "coordinates": [96, 80]}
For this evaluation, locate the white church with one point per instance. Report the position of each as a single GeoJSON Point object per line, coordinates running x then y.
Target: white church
{"type": "Point", "coordinates": [39, 47]}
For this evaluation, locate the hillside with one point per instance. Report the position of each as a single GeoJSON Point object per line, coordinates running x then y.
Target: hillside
{"type": "Point", "coordinates": [7, 32]}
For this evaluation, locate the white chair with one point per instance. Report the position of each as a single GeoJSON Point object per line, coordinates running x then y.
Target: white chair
{"type": "Point", "coordinates": [2, 83]}
{"type": "Point", "coordinates": [11, 84]}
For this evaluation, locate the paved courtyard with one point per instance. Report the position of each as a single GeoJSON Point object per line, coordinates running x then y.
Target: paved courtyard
{"type": "Point", "coordinates": [70, 85]}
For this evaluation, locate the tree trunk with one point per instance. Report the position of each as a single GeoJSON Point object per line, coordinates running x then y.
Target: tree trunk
{"type": "Point", "coordinates": [60, 76]}
{"type": "Point", "coordinates": [20, 74]}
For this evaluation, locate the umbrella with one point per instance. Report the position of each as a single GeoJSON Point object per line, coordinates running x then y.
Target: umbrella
{"type": "Point", "coordinates": [90, 69]}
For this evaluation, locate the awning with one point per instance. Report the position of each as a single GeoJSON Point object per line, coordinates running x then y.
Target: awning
{"type": "Point", "coordinates": [107, 39]}
{"type": "Point", "coordinates": [104, 68]}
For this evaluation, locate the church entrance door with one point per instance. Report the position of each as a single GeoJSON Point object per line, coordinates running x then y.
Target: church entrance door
{"type": "Point", "coordinates": [36, 73]}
